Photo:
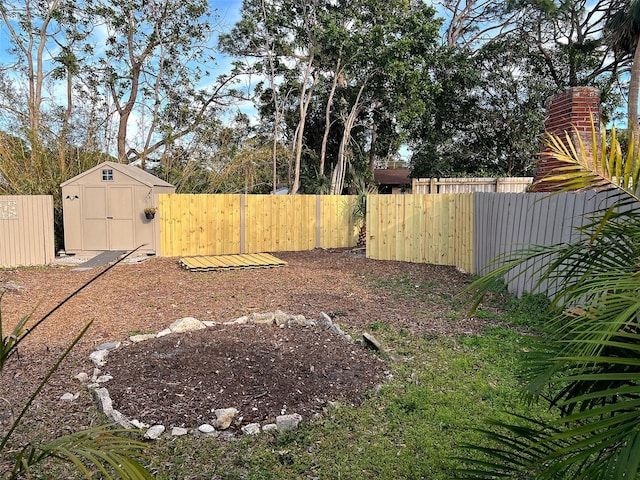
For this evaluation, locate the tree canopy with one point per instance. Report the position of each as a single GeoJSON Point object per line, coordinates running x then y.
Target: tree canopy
{"type": "Point", "coordinates": [329, 91]}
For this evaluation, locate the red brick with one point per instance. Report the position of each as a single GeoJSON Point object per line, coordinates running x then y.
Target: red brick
{"type": "Point", "coordinates": [573, 108]}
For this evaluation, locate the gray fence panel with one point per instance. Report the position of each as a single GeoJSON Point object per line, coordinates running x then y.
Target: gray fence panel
{"type": "Point", "coordinates": [507, 222]}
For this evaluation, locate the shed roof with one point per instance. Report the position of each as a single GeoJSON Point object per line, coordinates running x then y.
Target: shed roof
{"type": "Point", "coordinates": [392, 176]}
{"type": "Point", "coordinates": [129, 170]}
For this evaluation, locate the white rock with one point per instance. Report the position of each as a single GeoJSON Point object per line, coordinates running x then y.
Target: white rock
{"type": "Point", "coordinates": [238, 321]}
{"type": "Point", "coordinates": [141, 338]}
{"type": "Point", "coordinates": [104, 378]}
{"type": "Point", "coordinates": [207, 323]}
{"type": "Point", "coordinates": [163, 333]}
{"type": "Point", "coordinates": [206, 428]}
{"type": "Point", "coordinates": [104, 400]}
{"type": "Point", "coordinates": [251, 429]}
{"type": "Point", "coordinates": [99, 357]}
{"type": "Point", "coordinates": [138, 424]}
{"type": "Point", "coordinates": [288, 422]}
{"type": "Point", "coordinates": [179, 431]}
{"type": "Point", "coordinates": [67, 397]}
{"type": "Point", "coordinates": [280, 318]}
{"type": "Point", "coordinates": [120, 419]}
{"type": "Point", "coordinates": [82, 377]}
{"type": "Point", "coordinates": [186, 324]}
{"type": "Point", "coordinates": [224, 417]}
{"type": "Point", "coordinates": [154, 432]}
{"type": "Point", "coordinates": [269, 427]}
{"type": "Point", "coordinates": [324, 322]}
{"type": "Point", "coordinates": [297, 321]}
{"type": "Point", "coordinates": [108, 346]}
{"type": "Point", "coordinates": [262, 318]}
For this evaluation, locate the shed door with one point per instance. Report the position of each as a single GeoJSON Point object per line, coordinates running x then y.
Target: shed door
{"type": "Point", "coordinates": [108, 218]}
{"type": "Point", "coordinates": [94, 225]}
{"type": "Point", "coordinates": [120, 218]}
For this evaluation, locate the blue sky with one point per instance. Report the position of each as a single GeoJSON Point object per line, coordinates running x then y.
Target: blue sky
{"type": "Point", "coordinates": [229, 10]}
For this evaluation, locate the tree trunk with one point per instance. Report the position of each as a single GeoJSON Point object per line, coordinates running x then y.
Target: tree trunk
{"type": "Point", "coordinates": [65, 124]}
{"type": "Point", "coordinates": [305, 99]}
{"type": "Point", "coordinates": [634, 86]}
{"type": "Point", "coordinates": [327, 119]}
{"type": "Point", "coordinates": [337, 180]}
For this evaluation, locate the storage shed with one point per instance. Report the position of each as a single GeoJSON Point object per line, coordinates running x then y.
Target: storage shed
{"type": "Point", "coordinates": [104, 209]}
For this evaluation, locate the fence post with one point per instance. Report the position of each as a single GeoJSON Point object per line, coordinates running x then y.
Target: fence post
{"type": "Point", "coordinates": [318, 221]}
{"type": "Point", "coordinates": [433, 185]}
{"type": "Point", "coordinates": [242, 222]}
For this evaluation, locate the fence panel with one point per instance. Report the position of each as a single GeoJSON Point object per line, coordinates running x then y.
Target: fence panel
{"type": "Point", "coordinates": [467, 185]}
{"type": "Point", "coordinates": [336, 228]}
{"type": "Point", "coordinates": [434, 229]}
{"type": "Point", "coordinates": [26, 230]}
{"type": "Point", "coordinates": [505, 223]}
{"type": "Point", "coordinates": [228, 224]}
{"type": "Point", "coordinates": [199, 224]}
{"type": "Point", "coordinates": [278, 223]}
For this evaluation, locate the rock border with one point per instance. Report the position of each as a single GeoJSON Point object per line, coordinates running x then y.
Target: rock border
{"type": "Point", "coordinates": [224, 416]}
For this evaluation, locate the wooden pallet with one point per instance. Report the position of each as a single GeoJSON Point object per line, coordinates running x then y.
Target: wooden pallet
{"type": "Point", "coordinates": [230, 262]}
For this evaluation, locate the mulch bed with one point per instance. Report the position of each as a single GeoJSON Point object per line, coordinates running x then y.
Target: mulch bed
{"type": "Point", "coordinates": [261, 370]}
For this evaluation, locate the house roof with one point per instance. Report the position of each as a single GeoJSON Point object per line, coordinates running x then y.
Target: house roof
{"type": "Point", "coordinates": [392, 176]}
{"type": "Point", "coordinates": [129, 170]}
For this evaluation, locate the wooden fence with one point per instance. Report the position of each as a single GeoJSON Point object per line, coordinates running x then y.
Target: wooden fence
{"type": "Point", "coordinates": [434, 229]}
{"type": "Point", "coordinates": [26, 230]}
{"type": "Point", "coordinates": [229, 224]}
{"type": "Point", "coordinates": [471, 230]}
{"type": "Point", "coordinates": [466, 185]}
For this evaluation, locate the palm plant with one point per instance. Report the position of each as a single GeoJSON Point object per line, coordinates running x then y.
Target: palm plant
{"type": "Point", "coordinates": [588, 365]}
{"type": "Point", "coordinates": [108, 452]}
{"type": "Point", "coordinates": [359, 213]}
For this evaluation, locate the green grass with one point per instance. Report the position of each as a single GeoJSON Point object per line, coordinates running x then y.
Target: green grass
{"type": "Point", "coordinates": [406, 287]}
{"type": "Point", "coordinates": [412, 428]}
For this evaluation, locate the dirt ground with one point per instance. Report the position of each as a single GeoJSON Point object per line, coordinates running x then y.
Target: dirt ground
{"type": "Point", "coordinates": [262, 371]}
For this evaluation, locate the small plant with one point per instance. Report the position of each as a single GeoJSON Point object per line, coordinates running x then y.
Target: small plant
{"type": "Point", "coordinates": [150, 212]}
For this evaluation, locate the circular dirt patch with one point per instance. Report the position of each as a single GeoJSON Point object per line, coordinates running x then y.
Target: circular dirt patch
{"type": "Point", "coordinates": [261, 370]}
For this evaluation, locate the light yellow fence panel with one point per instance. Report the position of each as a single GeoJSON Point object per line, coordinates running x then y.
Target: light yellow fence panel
{"type": "Point", "coordinates": [199, 224]}
{"type": "Point", "coordinates": [467, 185]}
{"type": "Point", "coordinates": [337, 228]}
{"type": "Point", "coordinates": [277, 223]}
{"type": "Point", "coordinates": [26, 230]}
{"type": "Point", "coordinates": [226, 224]}
{"type": "Point", "coordinates": [435, 229]}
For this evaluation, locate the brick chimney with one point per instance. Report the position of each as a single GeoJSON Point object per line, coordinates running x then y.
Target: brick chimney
{"type": "Point", "coordinates": [572, 108]}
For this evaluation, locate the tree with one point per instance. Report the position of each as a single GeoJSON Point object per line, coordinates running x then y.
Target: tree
{"type": "Point", "coordinates": [507, 59]}
{"type": "Point", "coordinates": [358, 64]}
{"type": "Point", "coordinates": [586, 367]}
{"type": "Point", "coordinates": [623, 34]}
{"type": "Point", "coordinates": [153, 61]}
{"type": "Point", "coordinates": [229, 158]}
{"type": "Point", "coordinates": [280, 34]}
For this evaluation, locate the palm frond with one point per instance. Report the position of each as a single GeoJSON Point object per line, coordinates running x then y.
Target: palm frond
{"type": "Point", "coordinates": [107, 451]}
{"type": "Point", "coordinates": [603, 166]}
